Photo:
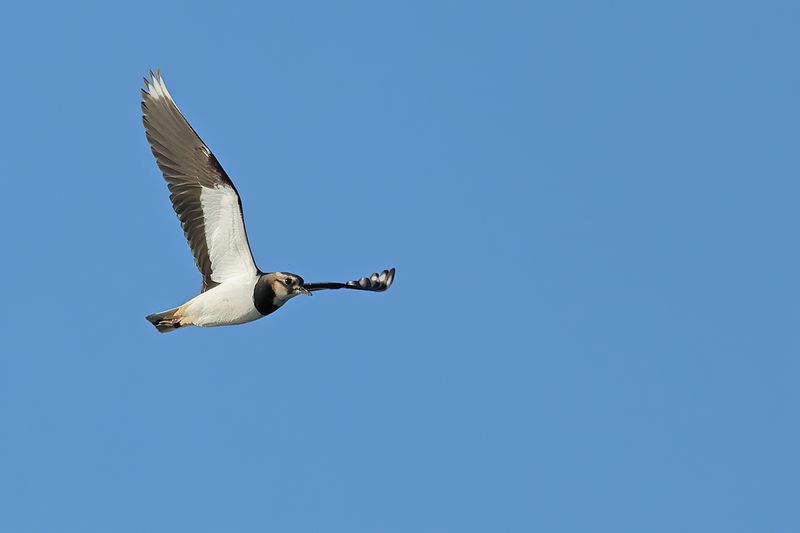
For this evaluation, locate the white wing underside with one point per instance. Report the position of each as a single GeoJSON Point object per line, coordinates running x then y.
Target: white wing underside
{"type": "Point", "coordinates": [228, 249]}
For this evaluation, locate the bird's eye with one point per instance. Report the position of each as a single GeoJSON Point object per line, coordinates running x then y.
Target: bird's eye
{"type": "Point", "coordinates": [288, 281]}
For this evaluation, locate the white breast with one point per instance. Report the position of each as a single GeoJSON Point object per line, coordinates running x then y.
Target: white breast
{"type": "Point", "coordinates": [230, 302]}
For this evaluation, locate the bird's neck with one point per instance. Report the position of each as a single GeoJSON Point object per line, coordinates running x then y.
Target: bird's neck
{"type": "Point", "coordinates": [264, 297]}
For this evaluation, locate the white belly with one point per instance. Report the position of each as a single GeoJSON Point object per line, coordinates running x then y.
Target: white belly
{"type": "Point", "coordinates": [229, 303]}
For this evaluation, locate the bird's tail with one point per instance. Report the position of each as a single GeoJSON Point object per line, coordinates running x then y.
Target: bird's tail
{"type": "Point", "coordinates": [165, 321]}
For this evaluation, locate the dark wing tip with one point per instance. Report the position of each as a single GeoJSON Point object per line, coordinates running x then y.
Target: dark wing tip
{"type": "Point", "coordinates": [376, 282]}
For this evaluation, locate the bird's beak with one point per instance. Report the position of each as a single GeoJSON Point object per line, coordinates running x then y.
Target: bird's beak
{"type": "Point", "coordinates": [302, 290]}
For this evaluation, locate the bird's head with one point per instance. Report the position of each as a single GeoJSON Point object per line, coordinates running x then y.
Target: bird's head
{"type": "Point", "coordinates": [286, 285]}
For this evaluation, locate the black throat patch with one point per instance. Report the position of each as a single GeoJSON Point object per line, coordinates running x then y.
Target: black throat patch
{"type": "Point", "coordinates": [264, 296]}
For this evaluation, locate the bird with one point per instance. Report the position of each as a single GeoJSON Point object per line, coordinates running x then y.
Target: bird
{"type": "Point", "coordinates": [234, 289]}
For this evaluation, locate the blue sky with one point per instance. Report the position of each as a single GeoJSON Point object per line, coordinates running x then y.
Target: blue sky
{"type": "Point", "coordinates": [592, 208]}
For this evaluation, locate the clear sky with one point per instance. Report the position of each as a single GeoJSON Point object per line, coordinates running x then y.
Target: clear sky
{"type": "Point", "coordinates": [593, 212]}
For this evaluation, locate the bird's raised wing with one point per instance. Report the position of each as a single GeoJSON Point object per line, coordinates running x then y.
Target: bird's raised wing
{"type": "Point", "coordinates": [375, 283]}
{"type": "Point", "coordinates": [202, 194]}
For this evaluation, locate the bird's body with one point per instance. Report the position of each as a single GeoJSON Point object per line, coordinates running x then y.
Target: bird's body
{"type": "Point", "coordinates": [234, 290]}
{"type": "Point", "coordinates": [231, 302]}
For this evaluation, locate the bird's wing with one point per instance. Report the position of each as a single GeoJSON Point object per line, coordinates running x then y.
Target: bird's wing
{"type": "Point", "coordinates": [375, 283]}
{"type": "Point", "coordinates": [202, 194]}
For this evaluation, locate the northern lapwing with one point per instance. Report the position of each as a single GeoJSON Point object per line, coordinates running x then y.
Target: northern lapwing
{"type": "Point", "coordinates": [234, 290]}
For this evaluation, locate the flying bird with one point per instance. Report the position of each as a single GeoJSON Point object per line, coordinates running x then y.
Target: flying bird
{"type": "Point", "coordinates": [234, 289]}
